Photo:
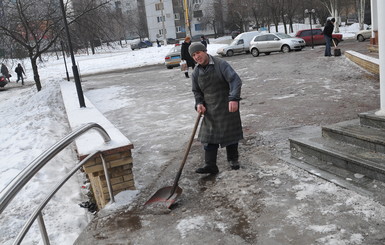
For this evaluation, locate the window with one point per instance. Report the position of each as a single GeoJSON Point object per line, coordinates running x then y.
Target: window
{"type": "Point", "coordinates": [178, 29]}
{"type": "Point", "coordinates": [197, 1]}
{"type": "Point", "coordinates": [198, 27]}
{"type": "Point", "coordinates": [240, 41]}
{"type": "Point", "coordinates": [159, 18]}
{"type": "Point", "coordinates": [161, 31]}
{"type": "Point", "coordinates": [305, 33]}
{"type": "Point", "coordinates": [317, 32]}
{"type": "Point", "coordinates": [260, 38]}
{"type": "Point", "coordinates": [197, 14]}
{"type": "Point", "coordinates": [177, 16]}
{"type": "Point", "coordinates": [270, 37]}
{"type": "Point", "coordinates": [158, 6]}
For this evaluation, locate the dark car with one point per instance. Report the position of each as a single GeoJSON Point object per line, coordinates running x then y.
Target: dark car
{"type": "Point", "coordinates": [149, 44]}
{"type": "Point", "coordinates": [318, 36]}
{"type": "Point", "coordinates": [172, 41]}
{"type": "Point", "coordinates": [3, 82]}
{"type": "Point", "coordinates": [234, 34]}
{"type": "Point", "coordinates": [197, 38]}
{"type": "Point", "coordinates": [139, 45]}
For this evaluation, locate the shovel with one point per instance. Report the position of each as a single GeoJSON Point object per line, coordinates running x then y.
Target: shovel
{"type": "Point", "coordinates": [169, 194]}
{"type": "Point", "coordinates": [337, 51]}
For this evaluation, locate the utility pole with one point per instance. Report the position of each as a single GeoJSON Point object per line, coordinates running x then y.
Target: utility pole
{"type": "Point", "coordinates": [74, 66]}
{"type": "Point", "coordinates": [186, 18]}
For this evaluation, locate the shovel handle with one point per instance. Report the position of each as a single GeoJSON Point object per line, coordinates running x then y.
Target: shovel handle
{"type": "Point", "coordinates": [186, 154]}
{"type": "Point", "coordinates": [335, 46]}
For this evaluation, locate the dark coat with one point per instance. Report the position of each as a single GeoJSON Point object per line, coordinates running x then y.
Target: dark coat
{"type": "Point", "coordinates": [328, 30]}
{"type": "Point", "coordinates": [204, 42]}
{"type": "Point", "coordinates": [214, 86]}
{"type": "Point", "coordinates": [185, 55]}
{"type": "Point", "coordinates": [4, 70]}
{"type": "Point", "coordinates": [19, 70]}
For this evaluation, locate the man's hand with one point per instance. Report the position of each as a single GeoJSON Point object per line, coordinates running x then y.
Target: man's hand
{"type": "Point", "coordinates": [201, 109]}
{"type": "Point", "coordinates": [233, 106]}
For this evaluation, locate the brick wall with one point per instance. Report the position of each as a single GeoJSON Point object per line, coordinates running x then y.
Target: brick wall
{"type": "Point", "coordinates": [364, 63]}
{"type": "Point", "coordinates": [119, 163]}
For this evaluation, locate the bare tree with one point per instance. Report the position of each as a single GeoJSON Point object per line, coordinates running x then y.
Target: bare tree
{"type": "Point", "coordinates": [259, 13]}
{"type": "Point", "coordinates": [275, 8]}
{"type": "Point", "coordinates": [239, 14]}
{"type": "Point", "coordinates": [92, 27]}
{"type": "Point", "coordinates": [213, 16]}
{"type": "Point", "coordinates": [136, 24]}
{"type": "Point", "coordinates": [35, 25]}
{"type": "Point", "coordinates": [333, 8]}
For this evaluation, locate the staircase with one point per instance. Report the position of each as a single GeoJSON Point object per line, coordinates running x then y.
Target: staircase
{"type": "Point", "coordinates": [350, 153]}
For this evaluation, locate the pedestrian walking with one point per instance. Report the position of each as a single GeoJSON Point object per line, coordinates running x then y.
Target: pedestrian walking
{"type": "Point", "coordinates": [5, 72]}
{"type": "Point", "coordinates": [20, 71]}
{"type": "Point", "coordinates": [185, 55]}
{"type": "Point", "coordinates": [328, 31]}
{"type": "Point", "coordinates": [217, 89]}
{"type": "Point", "coordinates": [204, 40]}
{"type": "Point", "coordinates": [157, 42]}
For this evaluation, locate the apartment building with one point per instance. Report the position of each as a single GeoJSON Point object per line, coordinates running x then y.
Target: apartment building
{"type": "Point", "coordinates": [166, 18]}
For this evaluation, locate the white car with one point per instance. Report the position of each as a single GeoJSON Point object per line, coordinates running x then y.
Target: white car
{"type": "Point", "coordinates": [364, 34]}
{"type": "Point", "coordinates": [240, 44]}
{"type": "Point", "coordinates": [275, 42]}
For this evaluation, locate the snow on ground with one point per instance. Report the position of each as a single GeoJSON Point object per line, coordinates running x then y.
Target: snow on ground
{"type": "Point", "coordinates": [31, 122]}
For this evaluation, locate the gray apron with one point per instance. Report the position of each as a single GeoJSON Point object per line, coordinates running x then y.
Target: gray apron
{"type": "Point", "coordinates": [219, 126]}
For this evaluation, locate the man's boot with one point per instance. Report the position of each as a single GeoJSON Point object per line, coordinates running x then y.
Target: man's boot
{"type": "Point", "coordinates": [186, 74]}
{"type": "Point", "coordinates": [210, 163]}
{"type": "Point", "coordinates": [232, 156]}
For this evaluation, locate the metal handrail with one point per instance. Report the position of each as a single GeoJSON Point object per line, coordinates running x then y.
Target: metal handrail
{"type": "Point", "coordinates": [13, 188]}
{"type": "Point", "coordinates": [37, 213]}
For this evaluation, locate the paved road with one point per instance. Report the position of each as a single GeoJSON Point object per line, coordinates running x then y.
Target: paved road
{"type": "Point", "coordinates": [267, 201]}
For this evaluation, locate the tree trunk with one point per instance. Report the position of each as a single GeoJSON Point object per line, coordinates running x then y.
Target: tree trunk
{"type": "Point", "coordinates": [92, 47]}
{"type": "Point", "coordinates": [284, 22]}
{"type": "Point", "coordinates": [36, 76]}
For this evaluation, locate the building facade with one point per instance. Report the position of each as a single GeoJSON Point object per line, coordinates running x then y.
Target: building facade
{"type": "Point", "coordinates": [167, 18]}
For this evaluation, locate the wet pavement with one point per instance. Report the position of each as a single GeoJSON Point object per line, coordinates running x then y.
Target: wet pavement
{"type": "Point", "coordinates": [268, 201]}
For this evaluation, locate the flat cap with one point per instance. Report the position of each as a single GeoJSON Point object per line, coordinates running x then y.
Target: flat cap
{"type": "Point", "coordinates": [194, 47]}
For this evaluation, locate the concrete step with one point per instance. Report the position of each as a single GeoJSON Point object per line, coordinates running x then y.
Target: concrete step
{"type": "Point", "coordinates": [325, 153]}
{"type": "Point", "coordinates": [370, 119]}
{"type": "Point", "coordinates": [351, 132]}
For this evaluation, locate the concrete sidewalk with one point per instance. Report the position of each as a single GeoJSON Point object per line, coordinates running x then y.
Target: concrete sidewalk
{"type": "Point", "coordinates": [268, 201]}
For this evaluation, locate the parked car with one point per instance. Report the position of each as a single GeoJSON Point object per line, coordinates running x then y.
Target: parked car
{"type": "Point", "coordinates": [172, 41]}
{"type": "Point", "coordinates": [197, 38]}
{"type": "Point", "coordinates": [3, 81]}
{"type": "Point", "coordinates": [173, 57]}
{"type": "Point", "coordinates": [364, 34]}
{"type": "Point", "coordinates": [138, 45]}
{"type": "Point", "coordinates": [275, 42]}
{"type": "Point", "coordinates": [234, 34]}
{"type": "Point", "coordinates": [148, 43]}
{"type": "Point", "coordinates": [240, 44]}
{"type": "Point", "coordinates": [318, 36]}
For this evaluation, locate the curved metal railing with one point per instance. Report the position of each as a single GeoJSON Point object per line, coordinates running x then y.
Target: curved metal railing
{"type": "Point", "coordinates": [13, 188]}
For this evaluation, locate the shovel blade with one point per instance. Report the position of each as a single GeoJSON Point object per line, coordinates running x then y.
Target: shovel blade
{"type": "Point", "coordinates": [165, 195]}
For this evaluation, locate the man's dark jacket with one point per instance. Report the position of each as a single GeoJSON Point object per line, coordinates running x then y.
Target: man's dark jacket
{"type": "Point", "coordinates": [328, 30]}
